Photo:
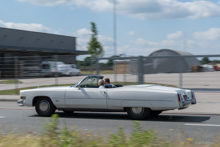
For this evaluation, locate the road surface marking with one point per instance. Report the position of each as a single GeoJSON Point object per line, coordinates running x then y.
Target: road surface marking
{"type": "Point", "coordinates": [215, 125]}
{"type": "Point", "coordinates": [2, 117]}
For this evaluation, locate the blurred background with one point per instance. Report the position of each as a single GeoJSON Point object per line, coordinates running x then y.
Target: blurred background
{"type": "Point", "coordinates": [173, 43]}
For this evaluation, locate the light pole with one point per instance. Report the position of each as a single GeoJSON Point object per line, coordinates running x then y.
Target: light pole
{"type": "Point", "coordinates": [114, 28]}
{"type": "Point", "coordinates": [115, 38]}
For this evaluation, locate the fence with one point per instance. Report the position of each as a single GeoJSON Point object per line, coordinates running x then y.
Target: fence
{"type": "Point", "coordinates": [183, 71]}
{"type": "Point", "coordinates": [28, 71]}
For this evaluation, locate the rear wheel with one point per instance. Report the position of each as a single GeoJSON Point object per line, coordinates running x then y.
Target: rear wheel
{"type": "Point", "coordinates": [44, 107]}
{"type": "Point", "coordinates": [138, 112]}
{"type": "Point", "coordinates": [155, 113]}
{"type": "Point", "coordinates": [68, 111]}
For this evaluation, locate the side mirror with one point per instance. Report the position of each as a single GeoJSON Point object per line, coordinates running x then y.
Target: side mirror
{"type": "Point", "coordinates": [78, 87]}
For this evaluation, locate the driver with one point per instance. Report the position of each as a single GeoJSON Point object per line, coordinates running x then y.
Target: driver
{"type": "Point", "coordinates": [101, 83]}
{"type": "Point", "coordinates": [107, 82]}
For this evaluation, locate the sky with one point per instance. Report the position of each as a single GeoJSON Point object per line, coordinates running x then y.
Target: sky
{"type": "Point", "coordinates": [143, 26]}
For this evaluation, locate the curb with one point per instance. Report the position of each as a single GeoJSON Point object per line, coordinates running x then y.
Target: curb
{"type": "Point", "coordinates": [9, 100]}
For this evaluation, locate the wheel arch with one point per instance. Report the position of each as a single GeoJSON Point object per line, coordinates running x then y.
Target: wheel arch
{"type": "Point", "coordinates": [133, 103]}
{"type": "Point", "coordinates": [37, 97]}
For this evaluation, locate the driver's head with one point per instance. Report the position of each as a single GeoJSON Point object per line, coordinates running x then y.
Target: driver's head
{"type": "Point", "coordinates": [101, 82]}
{"type": "Point", "coordinates": [107, 81]}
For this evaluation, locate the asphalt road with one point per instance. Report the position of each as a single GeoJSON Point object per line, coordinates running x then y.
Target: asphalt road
{"type": "Point", "coordinates": [17, 119]}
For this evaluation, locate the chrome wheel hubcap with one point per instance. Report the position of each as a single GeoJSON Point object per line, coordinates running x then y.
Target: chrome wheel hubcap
{"type": "Point", "coordinates": [44, 105]}
{"type": "Point", "coordinates": [137, 110]}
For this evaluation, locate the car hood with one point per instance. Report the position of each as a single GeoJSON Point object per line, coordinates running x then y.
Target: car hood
{"type": "Point", "coordinates": [46, 88]}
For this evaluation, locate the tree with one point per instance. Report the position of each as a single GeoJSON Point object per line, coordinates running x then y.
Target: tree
{"type": "Point", "coordinates": [205, 60]}
{"type": "Point", "coordinates": [94, 47]}
{"type": "Point", "coordinates": [87, 61]}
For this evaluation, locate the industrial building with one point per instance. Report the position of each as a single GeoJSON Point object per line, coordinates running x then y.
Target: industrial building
{"type": "Point", "coordinates": [34, 47]}
{"type": "Point", "coordinates": [153, 64]}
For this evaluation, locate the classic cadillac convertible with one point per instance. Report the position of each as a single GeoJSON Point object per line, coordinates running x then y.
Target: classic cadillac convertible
{"type": "Point", "coordinates": [139, 101]}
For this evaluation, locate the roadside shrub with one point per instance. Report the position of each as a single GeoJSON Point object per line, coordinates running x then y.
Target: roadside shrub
{"type": "Point", "coordinates": [55, 136]}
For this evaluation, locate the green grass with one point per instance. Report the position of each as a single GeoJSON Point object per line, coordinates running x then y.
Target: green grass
{"type": "Point", "coordinates": [54, 136]}
{"type": "Point", "coordinates": [10, 82]}
{"type": "Point", "coordinates": [16, 92]}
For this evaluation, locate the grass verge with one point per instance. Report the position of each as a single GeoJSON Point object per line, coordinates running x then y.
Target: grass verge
{"type": "Point", "coordinates": [55, 136]}
{"type": "Point", "coordinates": [10, 82]}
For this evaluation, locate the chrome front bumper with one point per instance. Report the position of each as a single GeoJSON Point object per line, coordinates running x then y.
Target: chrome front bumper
{"type": "Point", "coordinates": [186, 104]}
{"type": "Point", "coordinates": [20, 102]}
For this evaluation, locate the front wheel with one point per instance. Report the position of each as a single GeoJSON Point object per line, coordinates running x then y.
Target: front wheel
{"type": "Point", "coordinates": [44, 107]}
{"type": "Point", "coordinates": [138, 112]}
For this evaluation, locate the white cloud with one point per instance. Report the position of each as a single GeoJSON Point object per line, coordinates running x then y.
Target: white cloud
{"type": "Point", "coordinates": [105, 40]}
{"type": "Point", "coordinates": [23, 26]}
{"type": "Point", "coordinates": [131, 33]}
{"type": "Point", "coordinates": [211, 34]}
{"type": "Point", "coordinates": [144, 9]}
{"type": "Point", "coordinates": [46, 2]}
{"type": "Point", "coordinates": [176, 35]}
{"type": "Point", "coordinates": [141, 41]}
{"type": "Point", "coordinates": [84, 32]}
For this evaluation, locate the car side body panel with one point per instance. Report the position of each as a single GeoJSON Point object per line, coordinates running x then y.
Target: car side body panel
{"type": "Point", "coordinates": [141, 97]}
{"type": "Point", "coordinates": [86, 98]}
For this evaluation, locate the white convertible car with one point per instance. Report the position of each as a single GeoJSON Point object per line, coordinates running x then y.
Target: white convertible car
{"type": "Point", "coordinates": [139, 101]}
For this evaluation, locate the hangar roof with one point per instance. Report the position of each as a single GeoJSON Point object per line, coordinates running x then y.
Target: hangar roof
{"type": "Point", "coordinates": [177, 52]}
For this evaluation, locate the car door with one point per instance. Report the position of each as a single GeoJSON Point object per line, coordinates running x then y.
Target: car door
{"type": "Point", "coordinates": [86, 98]}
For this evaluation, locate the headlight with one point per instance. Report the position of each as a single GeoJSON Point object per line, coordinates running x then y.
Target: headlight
{"type": "Point", "coordinates": [22, 97]}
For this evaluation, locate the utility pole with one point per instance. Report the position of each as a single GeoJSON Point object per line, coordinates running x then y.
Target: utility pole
{"type": "Point", "coordinates": [115, 38]}
{"type": "Point", "coordinates": [114, 27]}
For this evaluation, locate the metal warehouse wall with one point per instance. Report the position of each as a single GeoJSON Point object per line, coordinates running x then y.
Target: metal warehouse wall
{"type": "Point", "coordinates": [10, 38]}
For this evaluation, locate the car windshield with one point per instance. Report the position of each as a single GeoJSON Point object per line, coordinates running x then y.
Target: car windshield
{"type": "Point", "coordinates": [89, 82]}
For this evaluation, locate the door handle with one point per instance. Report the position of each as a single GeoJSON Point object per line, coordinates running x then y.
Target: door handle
{"type": "Point", "coordinates": [103, 92]}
